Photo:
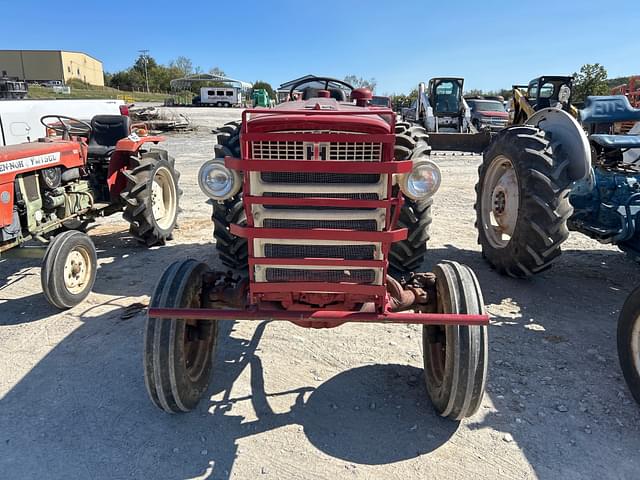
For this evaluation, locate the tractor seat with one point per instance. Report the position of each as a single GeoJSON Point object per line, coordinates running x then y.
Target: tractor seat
{"type": "Point", "coordinates": [335, 93]}
{"type": "Point", "coordinates": [618, 142]}
{"type": "Point", "coordinates": [106, 130]}
{"type": "Point", "coordinates": [608, 109]}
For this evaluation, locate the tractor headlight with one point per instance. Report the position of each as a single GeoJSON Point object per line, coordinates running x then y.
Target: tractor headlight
{"type": "Point", "coordinates": [423, 181]}
{"type": "Point", "coordinates": [217, 181]}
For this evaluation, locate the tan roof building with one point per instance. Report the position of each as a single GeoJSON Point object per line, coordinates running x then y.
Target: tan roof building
{"type": "Point", "coordinates": [49, 65]}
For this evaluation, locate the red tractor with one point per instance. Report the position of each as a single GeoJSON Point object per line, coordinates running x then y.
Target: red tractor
{"type": "Point", "coordinates": [315, 202]}
{"type": "Point", "coordinates": [51, 189]}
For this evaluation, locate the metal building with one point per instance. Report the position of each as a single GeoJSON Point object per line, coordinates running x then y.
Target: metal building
{"type": "Point", "coordinates": [51, 65]}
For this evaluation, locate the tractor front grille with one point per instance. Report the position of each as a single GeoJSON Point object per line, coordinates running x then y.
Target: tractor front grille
{"type": "Point", "coordinates": [300, 184]}
{"type": "Point", "coordinates": [349, 195]}
{"type": "Point", "coordinates": [347, 252]}
{"type": "Point", "coordinates": [367, 225]}
{"type": "Point", "coordinates": [355, 152]}
{"type": "Point", "coordinates": [300, 178]}
{"type": "Point", "coordinates": [338, 151]}
{"type": "Point", "coordinates": [273, 274]}
{"type": "Point", "coordinates": [278, 150]}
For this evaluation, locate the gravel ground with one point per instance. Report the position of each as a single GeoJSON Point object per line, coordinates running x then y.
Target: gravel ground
{"type": "Point", "coordinates": [287, 402]}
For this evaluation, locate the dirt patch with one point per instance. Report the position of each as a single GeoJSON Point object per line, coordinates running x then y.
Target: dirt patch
{"type": "Point", "coordinates": [286, 402]}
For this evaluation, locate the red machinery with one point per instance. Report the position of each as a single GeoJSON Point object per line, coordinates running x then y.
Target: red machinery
{"type": "Point", "coordinates": [51, 188]}
{"type": "Point", "coordinates": [321, 190]}
{"type": "Point", "coordinates": [631, 90]}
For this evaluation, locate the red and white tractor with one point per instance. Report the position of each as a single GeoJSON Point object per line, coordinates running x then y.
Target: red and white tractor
{"type": "Point", "coordinates": [52, 188]}
{"type": "Point", "coordinates": [315, 202]}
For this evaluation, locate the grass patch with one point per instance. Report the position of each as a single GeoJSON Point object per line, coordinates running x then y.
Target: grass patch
{"type": "Point", "coordinates": [91, 92]}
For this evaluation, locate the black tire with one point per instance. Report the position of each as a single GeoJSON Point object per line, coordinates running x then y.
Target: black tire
{"type": "Point", "coordinates": [543, 182]}
{"type": "Point", "coordinates": [407, 255]}
{"type": "Point", "coordinates": [231, 141]}
{"type": "Point", "coordinates": [456, 356]}
{"type": "Point", "coordinates": [68, 269]}
{"type": "Point", "coordinates": [629, 342]}
{"type": "Point", "coordinates": [138, 197]}
{"type": "Point", "coordinates": [232, 250]}
{"type": "Point", "coordinates": [178, 354]}
{"type": "Point", "coordinates": [405, 141]}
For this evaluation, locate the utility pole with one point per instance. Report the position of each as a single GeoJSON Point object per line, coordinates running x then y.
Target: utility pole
{"type": "Point", "coordinates": [145, 57]}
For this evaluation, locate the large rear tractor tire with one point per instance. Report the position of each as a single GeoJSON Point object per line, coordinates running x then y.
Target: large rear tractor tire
{"type": "Point", "coordinates": [629, 342]}
{"type": "Point", "coordinates": [151, 197]}
{"type": "Point", "coordinates": [233, 251]}
{"type": "Point", "coordinates": [178, 353]}
{"type": "Point", "coordinates": [456, 356]}
{"type": "Point", "coordinates": [407, 255]}
{"type": "Point", "coordinates": [522, 202]}
{"type": "Point", "coordinates": [69, 269]}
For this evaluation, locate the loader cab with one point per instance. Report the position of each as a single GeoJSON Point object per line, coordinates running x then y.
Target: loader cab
{"type": "Point", "coordinates": [445, 95]}
{"type": "Point", "coordinates": [550, 91]}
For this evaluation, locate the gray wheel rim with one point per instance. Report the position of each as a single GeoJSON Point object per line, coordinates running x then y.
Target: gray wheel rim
{"type": "Point", "coordinates": [499, 202]}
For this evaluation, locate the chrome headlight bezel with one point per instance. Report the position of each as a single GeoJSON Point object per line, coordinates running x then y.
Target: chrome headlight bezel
{"type": "Point", "coordinates": [406, 181]}
{"type": "Point", "coordinates": [235, 180]}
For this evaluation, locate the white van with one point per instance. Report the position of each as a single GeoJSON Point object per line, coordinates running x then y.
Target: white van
{"type": "Point", "coordinates": [220, 97]}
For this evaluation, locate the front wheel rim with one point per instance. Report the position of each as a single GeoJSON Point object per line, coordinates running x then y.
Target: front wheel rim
{"type": "Point", "coordinates": [77, 270]}
{"type": "Point", "coordinates": [499, 202]}
{"type": "Point", "coordinates": [163, 198]}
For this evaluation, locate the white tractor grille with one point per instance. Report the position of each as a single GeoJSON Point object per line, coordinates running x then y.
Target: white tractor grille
{"type": "Point", "coordinates": [266, 150]}
{"type": "Point", "coordinates": [295, 185]}
{"type": "Point", "coordinates": [356, 152]}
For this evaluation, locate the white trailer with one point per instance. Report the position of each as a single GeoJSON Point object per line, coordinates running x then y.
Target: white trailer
{"type": "Point", "coordinates": [20, 119]}
{"type": "Point", "coordinates": [220, 96]}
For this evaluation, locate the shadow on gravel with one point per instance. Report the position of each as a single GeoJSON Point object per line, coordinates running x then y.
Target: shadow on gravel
{"type": "Point", "coordinates": [122, 273]}
{"type": "Point", "coordinates": [554, 376]}
{"type": "Point", "coordinates": [376, 434]}
{"type": "Point", "coordinates": [83, 412]}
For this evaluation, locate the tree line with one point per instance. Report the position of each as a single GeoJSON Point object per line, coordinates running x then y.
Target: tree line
{"type": "Point", "coordinates": [159, 76]}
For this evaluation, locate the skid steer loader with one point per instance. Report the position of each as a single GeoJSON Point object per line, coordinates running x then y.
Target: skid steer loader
{"type": "Point", "coordinates": [442, 110]}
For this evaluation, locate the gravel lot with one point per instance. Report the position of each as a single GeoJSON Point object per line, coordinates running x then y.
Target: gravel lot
{"type": "Point", "coordinates": [287, 402]}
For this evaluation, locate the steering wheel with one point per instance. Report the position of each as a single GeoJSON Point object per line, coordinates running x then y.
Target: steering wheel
{"type": "Point", "coordinates": [67, 126]}
{"type": "Point", "coordinates": [327, 81]}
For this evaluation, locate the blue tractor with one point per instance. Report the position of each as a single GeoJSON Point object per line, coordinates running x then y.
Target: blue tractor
{"type": "Point", "coordinates": [555, 173]}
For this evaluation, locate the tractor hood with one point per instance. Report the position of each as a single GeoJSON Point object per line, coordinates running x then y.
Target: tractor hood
{"type": "Point", "coordinates": [24, 157]}
{"type": "Point", "coordinates": [299, 115]}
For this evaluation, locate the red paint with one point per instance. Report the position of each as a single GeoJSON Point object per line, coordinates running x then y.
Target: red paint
{"type": "Point", "coordinates": [494, 114]}
{"type": "Point", "coordinates": [328, 318]}
{"type": "Point", "coordinates": [319, 166]}
{"type": "Point", "coordinates": [320, 234]}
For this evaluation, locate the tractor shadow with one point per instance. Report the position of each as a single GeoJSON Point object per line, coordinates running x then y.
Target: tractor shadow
{"type": "Point", "coordinates": [349, 426]}
{"type": "Point", "coordinates": [555, 383]}
{"type": "Point", "coordinates": [82, 412]}
{"type": "Point", "coordinates": [126, 269]}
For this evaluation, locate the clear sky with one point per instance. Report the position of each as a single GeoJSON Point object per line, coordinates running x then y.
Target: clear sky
{"type": "Point", "coordinates": [492, 44]}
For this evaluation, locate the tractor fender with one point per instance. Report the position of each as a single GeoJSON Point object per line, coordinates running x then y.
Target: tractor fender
{"type": "Point", "coordinates": [568, 132]}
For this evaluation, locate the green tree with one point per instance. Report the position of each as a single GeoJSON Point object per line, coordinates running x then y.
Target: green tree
{"type": "Point", "coordinates": [262, 84]}
{"type": "Point", "coordinates": [183, 64]}
{"type": "Point", "coordinates": [591, 80]}
{"type": "Point", "coordinates": [359, 82]}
